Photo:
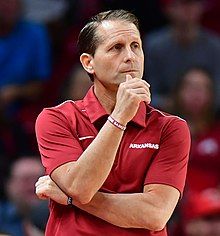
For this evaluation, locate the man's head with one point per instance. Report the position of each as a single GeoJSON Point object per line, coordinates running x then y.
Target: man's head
{"type": "Point", "coordinates": [195, 92]}
{"type": "Point", "coordinates": [106, 29]}
{"type": "Point", "coordinates": [23, 175]}
{"type": "Point", "coordinates": [88, 39]}
{"type": "Point", "coordinates": [183, 12]}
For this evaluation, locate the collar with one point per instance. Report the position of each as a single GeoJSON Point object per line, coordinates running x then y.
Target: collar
{"type": "Point", "coordinates": [96, 111]}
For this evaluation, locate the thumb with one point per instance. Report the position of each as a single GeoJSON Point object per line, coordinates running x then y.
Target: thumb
{"type": "Point", "coordinates": [128, 77]}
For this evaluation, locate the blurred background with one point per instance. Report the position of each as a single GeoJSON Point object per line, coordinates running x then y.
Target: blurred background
{"type": "Point", "coordinates": [39, 67]}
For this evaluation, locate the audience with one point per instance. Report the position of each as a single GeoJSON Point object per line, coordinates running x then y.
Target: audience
{"type": "Point", "coordinates": [201, 213]}
{"type": "Point", "coordinates": [21, 201]}
{"type": "Point", "coordinates": [24, 66]}
{"type": "Point", "coordinates": [194, 101]}
{"type": "Point", "coordinates": [183, 43]}
{"type": "Point", "coordinates": [24, 57]}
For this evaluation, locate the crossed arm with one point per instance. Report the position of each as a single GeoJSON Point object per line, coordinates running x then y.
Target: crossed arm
{"type": "Point", "coordinates": [150, 210]}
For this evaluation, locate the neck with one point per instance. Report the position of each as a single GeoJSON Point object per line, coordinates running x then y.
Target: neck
{"type": "Point", "coordinates": [106, 97]}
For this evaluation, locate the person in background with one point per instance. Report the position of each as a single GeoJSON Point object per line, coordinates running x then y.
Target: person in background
{"type": "Point", "coordinates": [16, 211]}
{"type": "Point", "coordinates": [24, 67]}
{"type": "Point", "coordinates": [180, 45]}
{"type": "Point", "coordinates": [193, 99]}
{"type": "Point", "coordinates": [24, 55]}
{"type": "Point", "coordinates": [201, 213]}
{"type": "Point", "coordinates": [119, 163]}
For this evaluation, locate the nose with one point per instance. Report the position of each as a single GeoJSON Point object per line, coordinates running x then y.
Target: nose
{"type": "Point", "coordinates": [129, 55]}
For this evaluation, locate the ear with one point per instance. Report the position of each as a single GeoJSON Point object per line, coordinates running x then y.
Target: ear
{"type": "Point", "coordinates": [87, 62]}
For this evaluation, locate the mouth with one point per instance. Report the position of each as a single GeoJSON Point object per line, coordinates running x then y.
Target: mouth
{"type": "Point", "coordinates": [129, 71]}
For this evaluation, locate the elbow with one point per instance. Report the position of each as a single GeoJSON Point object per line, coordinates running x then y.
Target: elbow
{"type": "Point", "coordinates": [157, 226]}
{"type": "Point", "coordinates": [157, 222]}
{"type": "Point", "coordinates": [83, 199]}
{"type": "Point", "coordinates": [80, 196]}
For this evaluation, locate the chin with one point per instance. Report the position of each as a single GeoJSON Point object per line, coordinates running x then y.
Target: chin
{"type": "Point", "coordinates": [134, 75]}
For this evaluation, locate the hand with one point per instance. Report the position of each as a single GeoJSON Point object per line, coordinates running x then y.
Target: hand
{"type": "Point", "coordinates": [129, 95]}
{"type": "Point", "coordinates": [46, 188]}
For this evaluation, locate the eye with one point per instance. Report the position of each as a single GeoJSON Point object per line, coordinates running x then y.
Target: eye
{"type": "Point", "coordinates": [135, 45]}
{"type": "Point", "coordinates": [117, 46]}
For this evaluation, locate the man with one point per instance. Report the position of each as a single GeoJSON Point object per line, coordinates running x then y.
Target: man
{"type": "Point", "coordinates": [20, 204]}
{"type": "Point", "coordinates": [24, 70]}
{"type": "Point", "coordinates": [24, 56]}
{"type": "Point", "coordinates": [182, 44]}
{"type": "Point", "coordinates": [119, 161]}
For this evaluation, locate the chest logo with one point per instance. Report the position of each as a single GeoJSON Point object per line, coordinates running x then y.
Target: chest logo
{"type": "Point", "coordinates": [144, 145]}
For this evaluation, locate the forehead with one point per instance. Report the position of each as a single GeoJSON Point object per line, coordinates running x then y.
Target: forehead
{"type": "Point", "coordinates": [110, 31]}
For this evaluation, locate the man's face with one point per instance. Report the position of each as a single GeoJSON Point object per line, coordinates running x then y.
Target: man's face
{"type": "Point", "coordinates": [185, 12]}
{"type": "Point", "coordinates": [118, 54]}
{"type": "Point", "coordinates": [24, 175]}
{"type": "Point", "coordinates": [196, 93]}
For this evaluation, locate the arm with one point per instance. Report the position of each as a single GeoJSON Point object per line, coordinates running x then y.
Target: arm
{"type": "Point", "coordinates": [150, 209]}
{"type": "Point", "coordinates": [83, 178]}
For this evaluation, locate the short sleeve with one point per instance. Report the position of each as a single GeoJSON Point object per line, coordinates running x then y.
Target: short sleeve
{"type": "Point", "coordinates": [169, 165]}
{"type": "Point", "coordinates": [57, 142]}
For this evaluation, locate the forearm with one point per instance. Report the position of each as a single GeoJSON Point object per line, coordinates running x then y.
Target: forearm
{"type": "Point", "coordinates": [89, 172]}
{"type": "Point", "coordinates": [150, 210]}
{"type": "Point", "coordinates": [137, 210]}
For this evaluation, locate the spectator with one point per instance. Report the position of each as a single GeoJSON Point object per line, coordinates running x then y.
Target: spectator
{"type": "Point", "coordinates": [175, 48]}
{"type": "Point", "coordinates": [24, 66]}
{"type": "Point", "coordinates": [202, 213]}
{"type": "Point", "coordinates": [16, 211]}
{"type": "Point", "coordinates": [24, 55]}
{"type": "Point", "coordinates": [194, 101]}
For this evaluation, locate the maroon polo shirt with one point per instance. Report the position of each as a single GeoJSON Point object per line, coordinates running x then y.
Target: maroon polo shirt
{"type": "Point", "coordinates": [154, 149]}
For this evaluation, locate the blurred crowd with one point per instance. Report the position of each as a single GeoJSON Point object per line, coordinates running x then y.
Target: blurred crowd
{"type": "Point", "coordinates": [39, 67]}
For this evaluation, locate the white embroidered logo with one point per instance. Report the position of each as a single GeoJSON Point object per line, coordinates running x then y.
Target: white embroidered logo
{"type": "Point", "coordinates": [144, 145]}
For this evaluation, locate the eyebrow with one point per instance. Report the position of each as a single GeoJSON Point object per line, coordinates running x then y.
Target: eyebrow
{"type": "Point", "coordinates": [121, 41]}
